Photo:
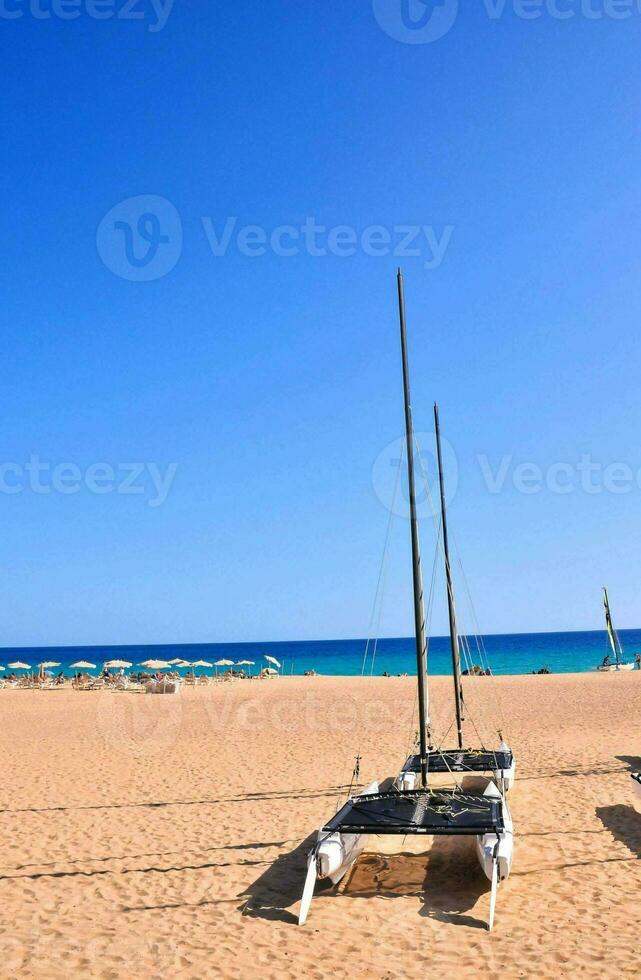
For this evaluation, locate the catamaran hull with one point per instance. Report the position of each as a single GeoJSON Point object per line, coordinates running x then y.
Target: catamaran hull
{"type": "Point", "coordinates": [332, 857]}
{"type": "Point", "coordinates": [505, 778]}
{"type": "Point", "coordinates": [491, 848]}
{"type": "Point", "coordinates": [337, 853]}
{"type": "Point", "coordinates": [615, 667]}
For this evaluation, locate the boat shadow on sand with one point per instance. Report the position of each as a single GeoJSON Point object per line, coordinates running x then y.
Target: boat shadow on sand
{"type": "Point", "coordinates": [624, 823]}
{"type": "Point", "coordinates": [447, 879]}
{"type": "Point", "coordinates": [633, 761]}
{"type": "Point", "coordinates": [280, 886]}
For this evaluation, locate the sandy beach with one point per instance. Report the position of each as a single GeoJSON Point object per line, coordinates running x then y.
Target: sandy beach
{"type": "Point", "coordinates": [166, 836]}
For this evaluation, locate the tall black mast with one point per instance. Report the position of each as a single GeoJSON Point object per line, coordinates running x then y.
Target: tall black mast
{"type": "Point", "coordinates": [456, 658]}
{"type": "Point", "coordinates": [419, 616]}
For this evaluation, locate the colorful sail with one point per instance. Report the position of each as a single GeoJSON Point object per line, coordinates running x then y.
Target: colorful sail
{"type": "Point", "coordinates": [614, 639]}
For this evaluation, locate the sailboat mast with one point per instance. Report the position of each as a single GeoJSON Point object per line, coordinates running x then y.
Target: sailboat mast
{"type": "Point", "coordinates": [456, 657]}
{"type": "Point", "coordinates": [419, 615]}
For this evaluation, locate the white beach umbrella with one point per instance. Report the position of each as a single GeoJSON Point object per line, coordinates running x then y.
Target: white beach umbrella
{"type": "Point", "coordinates": [201, 663]}
{"type": "Point", "coordinates": [245, 663]}
{"type": "Point", "coordinates": [47, 664]}
{"type": "Point", "coordinates": [224, 663]}
{"type": "Point", "coordinates": [118, 664]}
{"type": "Point", "coordinates": [178, 662]}
{"type": "Point", "coordinates": [270, 671]}
{"type": "Point", "coordinates": [19, 666]}
{"type": "Point", "coordinates": [272, 660]}
{"type": "Point", "coordinates": [156, 664]}
{"type": "Point", "coordinates": [83, 665]}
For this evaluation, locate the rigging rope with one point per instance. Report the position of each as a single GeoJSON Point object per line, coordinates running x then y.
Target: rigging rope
{"type": "Point", "coordinates": [380, 584]}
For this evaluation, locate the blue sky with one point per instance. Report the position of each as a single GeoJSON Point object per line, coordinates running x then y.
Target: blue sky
{"type": "Point", "coordinates": [271, 382]}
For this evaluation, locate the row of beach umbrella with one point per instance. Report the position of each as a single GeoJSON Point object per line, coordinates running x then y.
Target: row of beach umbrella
{"type": "Point", "coordinates": [147, 664]}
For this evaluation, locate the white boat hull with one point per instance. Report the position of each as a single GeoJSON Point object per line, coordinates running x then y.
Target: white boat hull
{"type": "Point", "coordinates": [505, 778]}
{"type": "Point", "coordinates": [613, 668]}
{"type": "Point", "coordinates": [407, 781]}
{"type": "Point", "coordinates": [491, 848]}
{"type": "Point", "coordinates": [332, 857]}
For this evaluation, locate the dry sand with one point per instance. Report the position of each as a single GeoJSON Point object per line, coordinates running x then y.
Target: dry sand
{"type": "Point", "coordinates": [165, 836]}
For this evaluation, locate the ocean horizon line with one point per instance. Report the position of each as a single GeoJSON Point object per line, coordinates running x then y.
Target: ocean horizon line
{"type": "Point", "coordinates": [345, 639]}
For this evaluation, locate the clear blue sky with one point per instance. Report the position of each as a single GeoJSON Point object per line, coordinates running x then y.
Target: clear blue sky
{"type": "Point", "coordinates": [273, 382]}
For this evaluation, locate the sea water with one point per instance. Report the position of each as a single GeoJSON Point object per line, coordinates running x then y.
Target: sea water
{"type": "Point", "coordinates": [510, 653]}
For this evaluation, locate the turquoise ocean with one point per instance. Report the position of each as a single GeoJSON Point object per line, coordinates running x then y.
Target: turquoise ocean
{"type": "Point", "coordinates": [516, 653]}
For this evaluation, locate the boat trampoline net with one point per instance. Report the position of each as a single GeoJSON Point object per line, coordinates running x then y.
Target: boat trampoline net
{"type": "Point", "coordinates": [419, 812]}
{"type": "Point", "coordinates": [457, 760]}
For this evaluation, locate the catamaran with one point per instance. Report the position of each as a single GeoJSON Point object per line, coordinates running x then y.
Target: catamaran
{"type": "Point", "coordinates": [405, 809]}
{"type": "Point", "coordinates": [619, 663]}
